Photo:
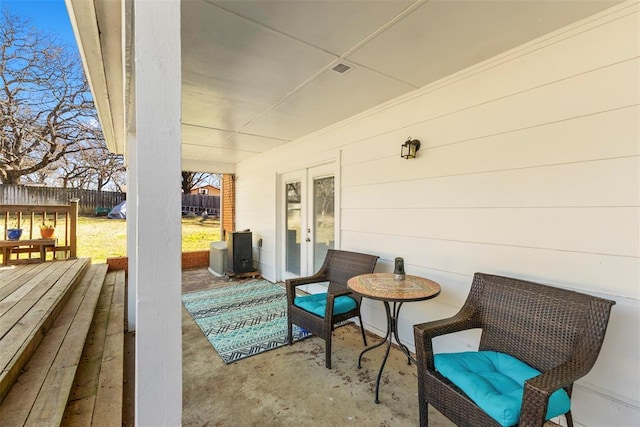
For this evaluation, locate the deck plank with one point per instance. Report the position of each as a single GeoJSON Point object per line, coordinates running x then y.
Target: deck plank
{"type": "Point", "coordinates": [36, 291]}
{"type": "Point", "coordinates": [18, 277]}
{"type": "Point", "coordinates": [29, 313]}
{"type": "Point", "coordinates": [17, 345]}
{"type": "Point", "coordinates": [101, 372]}
{"type": "Point", "coordinates": [108, 404]}
{"type": "Point", "coordinates": [79, 412]}
{"type": "Point", "coordinates": [57, 385]}
{"type": "Point", "coordinates": [19, 401]}
{"type": "Point", "coordinates": [16, 406]}
{"type": "Point", "coordinates": [81, 401]}
{"type": "Point", "coordinates": [21, 302]}
{"type": "Point", "coordinates": [52, 399]}
{"type": "Point", "coordinates": [8, 273]}
{"type": "Point", "coordinates": [86, 382]}
{"type": "Point", "coordinates": [109, 397]}
{"type": "Point", "coordinates": [76, 375]}
{"type": "Point", "coordinates": [25, 290]}
{"type": "Point", "coordinates": [116, 315]}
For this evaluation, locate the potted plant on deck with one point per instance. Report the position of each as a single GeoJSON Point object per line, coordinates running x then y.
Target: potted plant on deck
{"type": "Point", "coordinates": [14, 233]}
{"type": "Point", "coordinates": [47, 230]}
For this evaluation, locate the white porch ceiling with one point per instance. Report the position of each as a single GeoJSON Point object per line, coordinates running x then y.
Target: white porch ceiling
{"type": "Point", "coordinates": [258, 74]}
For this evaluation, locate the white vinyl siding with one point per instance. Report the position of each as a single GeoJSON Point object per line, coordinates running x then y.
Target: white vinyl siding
{"type": "Point", "coordinates": [529, 167]}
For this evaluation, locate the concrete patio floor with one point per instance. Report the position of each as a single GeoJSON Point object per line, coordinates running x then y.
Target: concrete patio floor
{"type": "Point", "coordinates": [290, 386]}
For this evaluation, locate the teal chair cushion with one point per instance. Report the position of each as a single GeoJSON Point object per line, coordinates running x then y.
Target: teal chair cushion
{"type": "Point", "coordinates": [317, 304]}
{"type": "Point", "coordinates": [495, 382]}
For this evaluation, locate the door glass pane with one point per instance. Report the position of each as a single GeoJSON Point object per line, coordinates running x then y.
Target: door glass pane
{"type": "Point", "coordinates": [292, 249]}
{"type": "Point", "coordinates": [323, 219]}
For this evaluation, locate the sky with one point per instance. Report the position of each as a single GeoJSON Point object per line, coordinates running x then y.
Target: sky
{"type": "Point", "coordinates": [49, 16]}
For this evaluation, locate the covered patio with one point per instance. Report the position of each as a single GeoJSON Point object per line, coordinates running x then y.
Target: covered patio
{"type": "Point", "coordinates": [290, 386]}
{"type": "Point", "coordinates": [81, 339]}
{"type": "Point", "coordinates": [528, 167]}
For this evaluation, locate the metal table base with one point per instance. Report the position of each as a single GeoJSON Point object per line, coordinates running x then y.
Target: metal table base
{"type": "Point", "coordinates": [392, 332]}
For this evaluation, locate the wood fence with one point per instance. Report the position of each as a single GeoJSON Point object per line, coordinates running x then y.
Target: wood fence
{"type": "Point", "coordinates": [89, 200]}
{"type": "Point", "coordinates": [198, 203]}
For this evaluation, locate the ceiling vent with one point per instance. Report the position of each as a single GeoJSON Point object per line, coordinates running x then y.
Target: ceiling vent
{"type": "Point", "coordinates": [341, 68]}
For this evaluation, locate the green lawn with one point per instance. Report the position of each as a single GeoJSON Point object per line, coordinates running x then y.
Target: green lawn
{"type": "Point", "coordinates": [101, 238]}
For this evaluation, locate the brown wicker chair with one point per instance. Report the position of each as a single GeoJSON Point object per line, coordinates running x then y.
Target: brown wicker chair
{"type": "Point", "coordinates": [338, 267]}
{"type": "Point", "coordinates": [557, 331]}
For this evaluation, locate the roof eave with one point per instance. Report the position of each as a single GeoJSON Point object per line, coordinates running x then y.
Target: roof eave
{"type": "Point", "coordinates": [102, 58]}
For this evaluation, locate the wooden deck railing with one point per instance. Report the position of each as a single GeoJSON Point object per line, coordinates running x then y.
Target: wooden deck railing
{"type": "Point", "coordinates": [29, 218]}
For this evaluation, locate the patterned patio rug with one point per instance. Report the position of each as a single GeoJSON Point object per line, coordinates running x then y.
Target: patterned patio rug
{"type": "Point", "coordinates": [242, 320]}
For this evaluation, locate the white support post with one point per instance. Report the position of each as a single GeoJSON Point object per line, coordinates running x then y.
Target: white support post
{"type": "Point", "coordinates": [157, 219]}
{"type": "Point", "coordinates": [132, 209]}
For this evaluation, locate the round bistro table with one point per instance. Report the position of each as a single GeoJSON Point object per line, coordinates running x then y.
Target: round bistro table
{"type": "Point", "coordinates": [384, 287]}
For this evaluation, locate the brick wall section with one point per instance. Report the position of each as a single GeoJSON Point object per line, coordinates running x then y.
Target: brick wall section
{"type": "Point", "coordinates": [194, 259]}
{"type": "Point", "coordinates": [118, 263]}
{"type": "Point", "coordinates": [228, 204]}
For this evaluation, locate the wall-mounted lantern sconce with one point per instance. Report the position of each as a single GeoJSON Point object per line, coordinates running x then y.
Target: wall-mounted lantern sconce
{"type": "Point", "coordinates": [409, 148]}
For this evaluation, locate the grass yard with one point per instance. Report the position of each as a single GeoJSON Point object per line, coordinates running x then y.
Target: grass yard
{"type": "Point", "coordinates": [101, 238]}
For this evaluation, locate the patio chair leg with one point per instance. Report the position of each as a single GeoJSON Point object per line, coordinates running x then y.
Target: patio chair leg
{"type": "Point", "coordinates": [327, 351]}
{"type": "Point", "coordinates": [289, 333]}
{"type": "Point", "coordinates": [569, 419]}
{"type": "Point", "coordinates": [424, 413]}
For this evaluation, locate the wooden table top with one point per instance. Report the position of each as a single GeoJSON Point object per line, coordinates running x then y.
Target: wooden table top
{"type": "Point", "coordinates": [384, 287]}
{"type": "Point", "coordinates": [45, 242]}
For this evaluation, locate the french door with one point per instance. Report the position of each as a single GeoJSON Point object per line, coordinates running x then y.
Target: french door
{"type": "Point", "coordinates": [309, 219]}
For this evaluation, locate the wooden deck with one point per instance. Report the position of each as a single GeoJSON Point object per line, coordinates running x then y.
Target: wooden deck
{"type": "Point", "coordinates": [56, 317]}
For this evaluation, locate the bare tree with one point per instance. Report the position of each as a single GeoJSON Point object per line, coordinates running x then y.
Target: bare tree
{"type": "Point", "coordinates": [102, 166]}
{"type": "Point", "coordinates": [73, 174]}
{"type": "Point", "coordinates": [191, 180]}
{"type": "Point", "coordinates": [94, 168]}
{"type": "Point", "coordinates": [107, 167]}
{"type": "Point", "coordinates": [119, 181]}
{"type": "Point", "coordinates": [43, 176]}
{"type": "Point", "coordinates": [46, 105]}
